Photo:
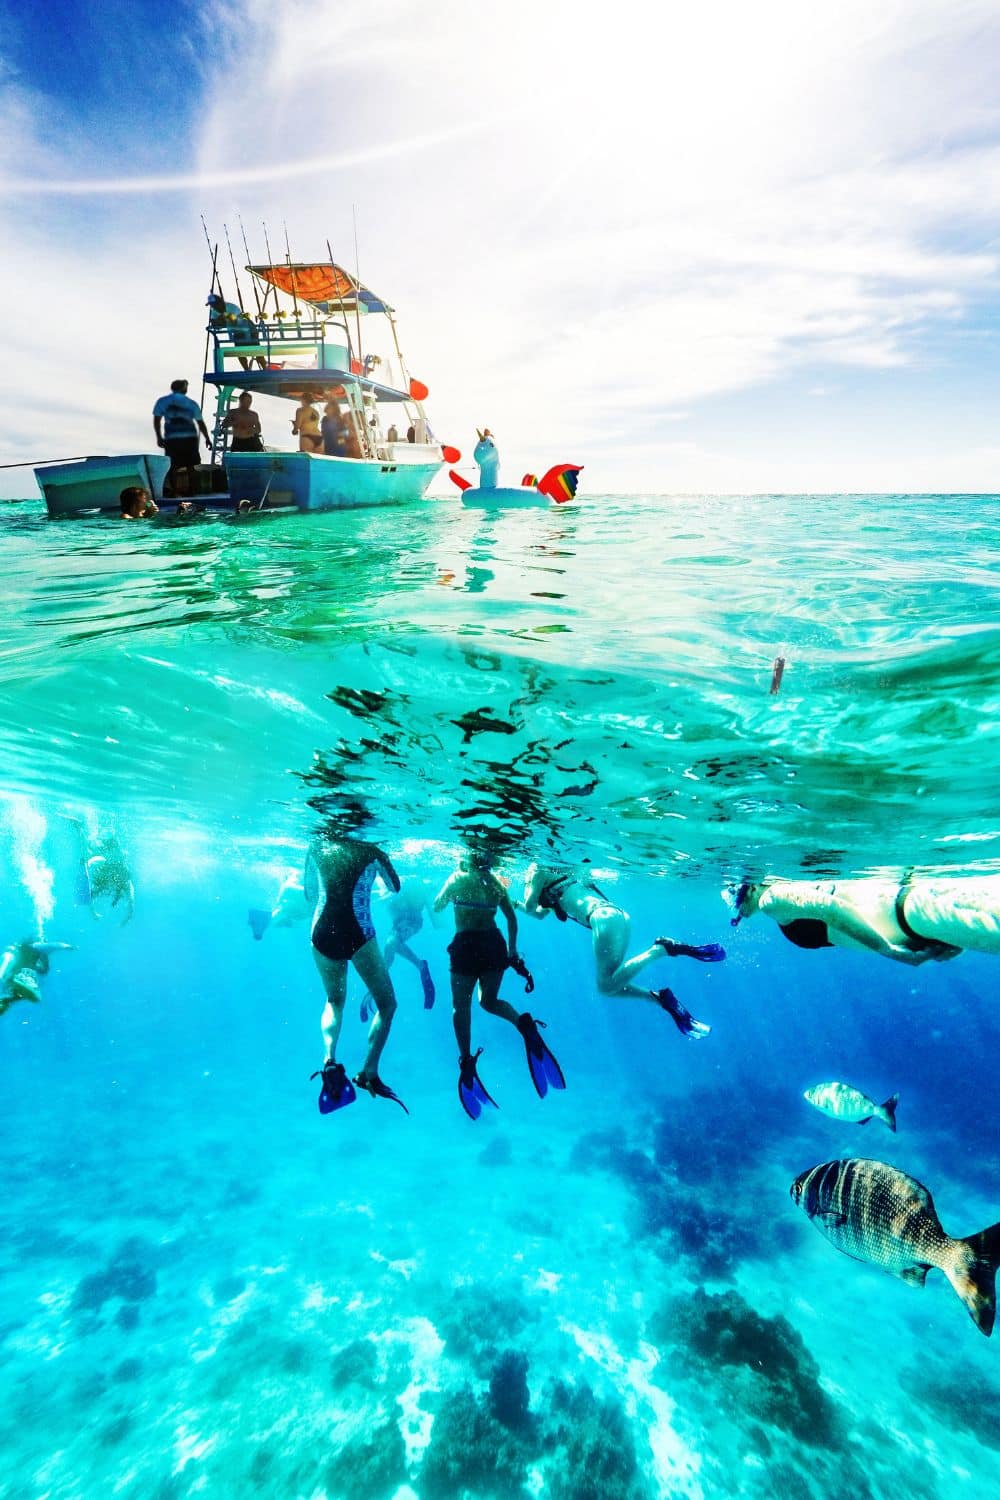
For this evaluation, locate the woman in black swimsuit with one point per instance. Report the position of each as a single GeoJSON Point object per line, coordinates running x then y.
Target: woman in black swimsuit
{"type": "Point", "coordinates": [338, 880]}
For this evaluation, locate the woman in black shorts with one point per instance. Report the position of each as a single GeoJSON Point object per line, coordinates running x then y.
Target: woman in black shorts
{"type": "Point", "coordinates": [339, 876]}
{"type": "Point", "coordinates": [479, 955]}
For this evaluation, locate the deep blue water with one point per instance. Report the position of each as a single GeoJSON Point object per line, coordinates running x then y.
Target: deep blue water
{"type": "Point", "coordinates": [208, 1288]}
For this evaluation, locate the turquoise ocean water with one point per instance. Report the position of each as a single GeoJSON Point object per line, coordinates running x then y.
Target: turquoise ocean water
{"type": "Point", "coordinates": [209, 1289]}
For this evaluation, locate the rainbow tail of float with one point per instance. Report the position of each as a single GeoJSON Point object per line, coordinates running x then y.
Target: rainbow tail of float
{"type": "Point", "coordinates": [558, 483]}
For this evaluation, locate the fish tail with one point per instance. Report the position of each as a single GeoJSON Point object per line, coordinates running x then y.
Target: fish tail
{"type": "Point", "coordinates": [973, 1274]}
{"type": "Point", "coordinates": [887, 1112]}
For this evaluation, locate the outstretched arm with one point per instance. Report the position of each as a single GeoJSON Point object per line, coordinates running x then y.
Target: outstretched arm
{"type": "Point", "coordinates": [444, 895]}
{"type": "Point", "coordinates": [507, 907]}
{"type": "Point", "coordinates": [388, 871]}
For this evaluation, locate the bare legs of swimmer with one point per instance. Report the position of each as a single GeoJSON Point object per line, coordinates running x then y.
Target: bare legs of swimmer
{"type": "Point", "coordinates": [462, 986]}
{"type": "Point", "coordinates": [610, 930]}
{"type": "Point", "coordinates": [371, 967]}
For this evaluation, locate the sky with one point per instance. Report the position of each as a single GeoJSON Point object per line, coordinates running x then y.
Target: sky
{"type": "Point", "coordinates": [723, 247]}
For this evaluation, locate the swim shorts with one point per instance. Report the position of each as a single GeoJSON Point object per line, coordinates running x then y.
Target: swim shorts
{"type": "Point", "coordinates": [474, 954]}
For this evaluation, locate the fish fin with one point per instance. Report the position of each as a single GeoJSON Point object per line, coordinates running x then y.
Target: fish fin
{"type": "Point", "coordinates": [888, 1112]}
{"type": "Point", "coordinates": [974, 1275]}
{"type": "Point", "coordinates": [831, 1219]}
{"type": "Point", "coordinates": [914, 1275]}
{"type": "Point", "coordinates": [866, 1121]}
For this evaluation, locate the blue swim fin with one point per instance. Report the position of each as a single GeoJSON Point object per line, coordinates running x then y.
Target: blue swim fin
{"type": "Point", "coordinates": [374, 1085]}
{"type": "Point", "coordinates": [367, 1005]}
{"type": "Point", "coordinates": [471, 1093]}
{"type": "Point", "coordinates": [337, 1091]}
{"type": "Point", "coordinates": [259, 921]}
{"type": "Point", "coordinates": [427, 984]}
{"type": "Point", "coordinates": [545, 1071]}
{"type": "Point", "coordinates": [681, 1016]}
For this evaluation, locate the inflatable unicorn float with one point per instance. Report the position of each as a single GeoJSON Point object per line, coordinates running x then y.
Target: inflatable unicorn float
{"type": "Point", "coordinates": [557, 486]}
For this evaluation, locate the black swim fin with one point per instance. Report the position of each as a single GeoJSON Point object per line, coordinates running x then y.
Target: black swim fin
{"type": "Point", "coordinates": [545, 1071]}
{"type": "Point", "coordinates": [471, 1093]}
{"type": "Point", "coordinates": [372, 1084]}
{"type": "Point", "coordinates": [337, 1091]}
{"type": "Point", "coordinates": [681, 1016]}
{"type": "Point", "coordinates": [427, 984]}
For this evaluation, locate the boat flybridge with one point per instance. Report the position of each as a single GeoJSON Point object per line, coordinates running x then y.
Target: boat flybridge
{"type": "Point", "coordinates": [306, 342]}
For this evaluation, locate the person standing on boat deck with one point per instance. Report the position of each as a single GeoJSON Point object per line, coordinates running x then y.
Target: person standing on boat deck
{"type": "Point", "coordinates": [177, 421]}
{"type": "Point", "coordinates": [912, 919]}
{"type": "Point", "coordinates": [305, 423]}
{"type": "Point", "coordinates": [479, 955]}
{"type": "Point", "coordinates": [339, 874]}
{"type": "Point", "coordinates": [573, 896]}
{"type": "Point", "coordinates": [244, 424]}
{"type": "Point", "coordinates": [333, 431]}
{"type": "Point", "coordinates": [137, 504]}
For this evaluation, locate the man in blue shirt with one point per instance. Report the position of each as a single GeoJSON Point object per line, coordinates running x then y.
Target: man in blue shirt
{"type": "Point", "coordinates": [177, 421]}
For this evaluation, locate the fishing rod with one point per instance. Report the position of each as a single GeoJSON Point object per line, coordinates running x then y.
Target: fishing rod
{"type": "Point", "coordinates": [36, 463]}
{"type": "Point", "coordinates": [232, 262]}
{"type": "Point", "coordinates": [288, 261]}
{"type": "Point", "coordinates": [357, 279]}
{"type": "Point", "coordinates": [270, 286]}
{"type": "Point", "coordinates": [246, 247]}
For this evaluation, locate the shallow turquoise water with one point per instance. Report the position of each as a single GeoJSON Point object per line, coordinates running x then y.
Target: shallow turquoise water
{"type": "Point", "coordinates": [211, 1290]}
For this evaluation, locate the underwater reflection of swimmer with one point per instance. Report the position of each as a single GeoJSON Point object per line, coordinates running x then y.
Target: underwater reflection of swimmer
{"type": "Point", "coordinates": [573, 896]}
{"type": "Point", "coordinates": [22, 966]}
{"type": "Point", "coordinates": [104, 878]}
{"type": "Point", "coordinates": [406, 909]}
{"type": "Point", "coordinates": [479, 955]}
{"type": "Point", "coordinates": [912, 920]}
{"type": "Point", "coordinates": [338, 880]}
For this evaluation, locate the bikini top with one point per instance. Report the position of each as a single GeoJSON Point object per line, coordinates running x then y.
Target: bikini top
{"type": "Point", "coordinates": [550, 896]}
{"type": "Point", "coordinates": [806, 932]}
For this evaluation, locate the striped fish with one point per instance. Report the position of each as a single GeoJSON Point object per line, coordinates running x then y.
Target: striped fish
{"type": "Point", "coordinates": [842, 1102]}
{"type": "Point", "coordinates": [875, 1213]}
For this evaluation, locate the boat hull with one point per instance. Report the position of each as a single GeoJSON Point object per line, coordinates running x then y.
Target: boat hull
{"type": "Point", "coordinates": [524, 498]}
{"type": "Point", "coordinates": [312, 481]}
{"type": "Point", "coordinates": [95, 484]}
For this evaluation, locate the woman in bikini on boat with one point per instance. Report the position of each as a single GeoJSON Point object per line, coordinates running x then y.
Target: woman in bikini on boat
{"type": "Point", "coordinates": [573, 896]}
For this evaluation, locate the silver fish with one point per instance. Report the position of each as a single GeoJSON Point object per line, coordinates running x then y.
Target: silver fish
{"type": "Point", "coordinates": [874, 1212]}
{"type": "Point", "coordinates": [842, 1102]}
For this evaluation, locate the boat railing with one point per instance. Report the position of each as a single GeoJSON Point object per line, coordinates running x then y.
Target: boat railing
{"type": "Point", "coordinates": [274, 340]}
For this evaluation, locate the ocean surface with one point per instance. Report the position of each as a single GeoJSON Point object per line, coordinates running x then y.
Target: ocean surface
{"type": "Point", "coordinates": [209, 1289]}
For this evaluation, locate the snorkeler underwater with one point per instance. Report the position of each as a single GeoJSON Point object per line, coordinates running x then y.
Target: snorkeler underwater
{"type": "Point", "coordinates": [526, 1223]}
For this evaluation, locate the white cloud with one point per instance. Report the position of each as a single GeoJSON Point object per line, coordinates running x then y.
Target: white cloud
{"type": "Point", "coordinates": [588, 229]}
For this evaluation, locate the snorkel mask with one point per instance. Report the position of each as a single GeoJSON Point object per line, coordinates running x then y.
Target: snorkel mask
{"type": "Point", "coordinates": [739, 896]}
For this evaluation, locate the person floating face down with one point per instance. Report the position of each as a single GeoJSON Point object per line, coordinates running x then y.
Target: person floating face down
{"type": "Point", "coordinates": [572, 895]}
{"type": "Point", "coordinates": [22, 966]}
{"type": "Point", "coordinates": [479, 956]}
{"type": "Point", "coordinates": [244, 424]}
{"type": "Point", "coordinates": [177, 421]}
{"type": "Point", "coordinates": [913, 919]}
{"type": "Point", "coordinates": [137, 504]}
{"type": "Point", "coordinates": [339, 874]}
